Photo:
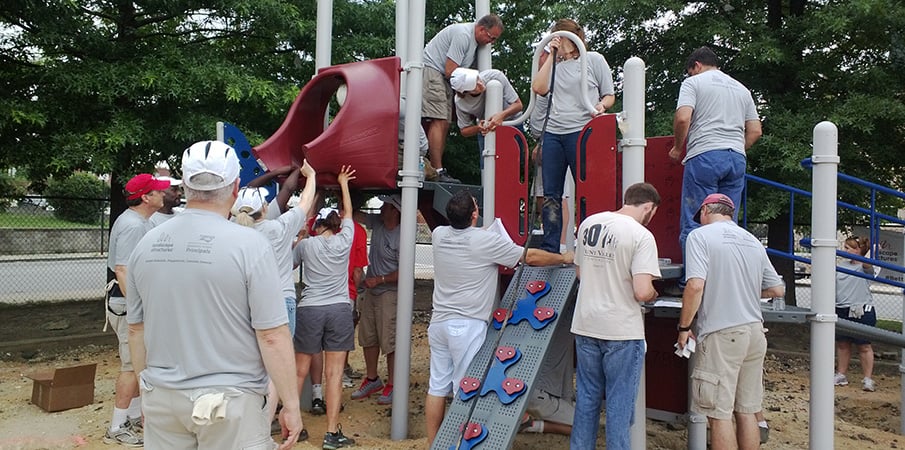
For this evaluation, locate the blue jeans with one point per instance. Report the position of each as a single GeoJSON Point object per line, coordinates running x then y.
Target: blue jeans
{"type": "Point", "coordinates": [713, 171]}
{"type": "Point", "coordinates": [613, 368]}
{"type": "Point", "coordinates": [291, 305]}
{"type": "Point", "coordinates": [558, 153]}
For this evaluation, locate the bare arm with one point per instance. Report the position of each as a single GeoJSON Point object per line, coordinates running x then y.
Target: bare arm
{"type": "Point", "coordinates": [120, 272]}
{"type": "Point", "coordinates": [137, 346]}
{"type": "Point", "coordinates": [450, 67]}
{"type": "Point", "coordinates": [753, 132]}
{"type": "Point", "coordinates": [267, 176]}
{"type": "Point", "coordinates": [498, 118]}
{"type": "Point", "coordinates": [345, 175]}
{"type": "Point", "coordinates": [643, 287]}
{"type": "Point", "coordinates": [279, 360]}
{"type": "Point", "coordinates": [287, 189]}
{"type": "Point", "coordinates": [541, 83]}
{"type": "Point", "coordinates": [538, 257]}
{"type": "Point", "coordinates": [680, 125]}
{"type": "Point", "coordinates": [469, 131]}
{"type": "Point", "coordinates": [775, 291]}
{"type": "Point", "coordinates": [691, 301]}
{"type": "Point", "coordinates": [306, 201]}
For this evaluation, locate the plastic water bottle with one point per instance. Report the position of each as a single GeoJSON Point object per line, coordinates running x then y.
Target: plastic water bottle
{"type": "Point", "coordinates": [779, 303]}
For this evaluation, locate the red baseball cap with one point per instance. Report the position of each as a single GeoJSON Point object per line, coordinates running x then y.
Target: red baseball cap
{"type": "Point", "coordinates": [712, 199]}
{"type": "Point", "coordinates": [143, 183]}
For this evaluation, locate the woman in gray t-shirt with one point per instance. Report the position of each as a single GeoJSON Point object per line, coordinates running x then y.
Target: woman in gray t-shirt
{"type": "Point", "coordinates": [854, 302]}
{"type": "Point", "coordinates": [568, 116]}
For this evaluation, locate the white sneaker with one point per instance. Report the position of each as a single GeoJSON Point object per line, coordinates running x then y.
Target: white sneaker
{"type": "Point", "coordinates": [347, 381]}
{"type": "Point", "coordinates": [840, 380]}
{"type": "Point", "coordinates": [868, 385]}
{"type": "Point", "coordinates": [126, 436]}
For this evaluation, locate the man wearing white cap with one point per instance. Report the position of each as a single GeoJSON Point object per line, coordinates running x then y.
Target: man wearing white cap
{"type": "Point", "coordinates": [728, 371]}
{"type": "Point", "coordinates": [172, 197]}
{"type": "Point", "coordinates": [377, 328]}
{"type": "Point", "coordinates": [470, 86]}
{"type": "Point", "coordinates": [453, 47]}
{"type": "Point", "coordinates": [207, 323]}
{"type": "Point", "coordinates": [144, 195]}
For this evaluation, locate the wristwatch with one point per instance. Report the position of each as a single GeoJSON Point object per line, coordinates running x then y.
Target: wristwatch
{"type": "Point", "coordinates": [681, 328]}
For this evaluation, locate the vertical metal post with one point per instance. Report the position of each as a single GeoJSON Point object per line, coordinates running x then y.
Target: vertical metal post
{"type": "Point", "coordinates": [402, 11]}
{"type": "Point", "coordinates": [823, 287]}
{"type": "Point", "coordinates": [481, 9]}
{"type": "Point", "coordinates": [633, 140]}
{"type": "Point", "coordinates": [323, 46]}
{"type": "Point", "coordinates": [633, 143]}
{"type": "Point", "coordinates": [412, 176]}
{"type": "Point", "coordinates": [493, 103]}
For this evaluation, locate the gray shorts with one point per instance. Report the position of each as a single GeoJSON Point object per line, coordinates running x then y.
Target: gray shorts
{"type": "Point", "coordinates": [116, 315]}
{"type": "Point", "coordinates": [437, 96]}
{"type": "Point", "coordinates": [326, 328]}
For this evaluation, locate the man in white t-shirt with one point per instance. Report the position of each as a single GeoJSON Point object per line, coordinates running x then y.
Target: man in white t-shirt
{"type": "Point", "coordinates": [466, 268]}
{"type": "Point", "coordinates": [616, 259]}
{"type": "Point", "coordinates": [733, 266]}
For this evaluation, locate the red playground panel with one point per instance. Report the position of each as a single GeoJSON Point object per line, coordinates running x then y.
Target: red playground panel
{"type": "Point", "coordinates": [364, 132]}
{"type": "Point", "coordinates": [511, 199]}
{"type": "Point", "coordinates": [596, 187]}
{"type": "Point", "coordinates": [666, 175]}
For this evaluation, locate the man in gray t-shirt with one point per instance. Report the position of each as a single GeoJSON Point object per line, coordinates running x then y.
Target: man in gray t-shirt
{"type": "Point", "coordinates": [451, 48]}
{"type": "Point", "coordinates": [144, 195]}
{"type": "Point", "coordinates": [728, 272]}
{"type": "Point", "coordinates": [717, 115]}
{"type": "Point", "coordinates": [207, 319]}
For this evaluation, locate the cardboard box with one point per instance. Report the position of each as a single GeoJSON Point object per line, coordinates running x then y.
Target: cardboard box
{"type": "Point", "coordinates": [65, 388]}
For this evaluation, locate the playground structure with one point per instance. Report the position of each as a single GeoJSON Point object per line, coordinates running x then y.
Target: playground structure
{"type": "Point", "coordinates": [365, 129]}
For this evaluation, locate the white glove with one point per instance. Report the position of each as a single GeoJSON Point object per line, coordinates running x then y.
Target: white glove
{"type": "Point", "coordinates": [856, 311]}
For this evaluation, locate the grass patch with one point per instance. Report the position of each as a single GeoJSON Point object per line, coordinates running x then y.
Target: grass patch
{"type": "Point", "coordinates": [890, 325]}
{"type": "Point", "coordinates": [12, 220]}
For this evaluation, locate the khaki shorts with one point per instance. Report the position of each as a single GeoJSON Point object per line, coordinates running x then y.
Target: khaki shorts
{"type": "Point", "coordinates": [168, 420]}
{"type": "Point", "coordinates": [550, 408]}
{"type": "Point", "coordinates": [729, 372]}
{"type": "Point", "coordinates": [116, 315]}
{"type": "Point", "coordinates": [378, 321]}
{"type": "Point", "coordinates": [437, 96]}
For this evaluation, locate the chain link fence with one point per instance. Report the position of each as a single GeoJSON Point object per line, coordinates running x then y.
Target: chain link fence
{"type": "Point", "coordinates": [46, 258]}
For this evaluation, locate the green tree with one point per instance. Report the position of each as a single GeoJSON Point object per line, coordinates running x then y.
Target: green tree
{"type": "Point", "coordinates": [78, 198]}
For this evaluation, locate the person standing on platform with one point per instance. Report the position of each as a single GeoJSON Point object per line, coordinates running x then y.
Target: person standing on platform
{"type": "Point", "coordinates": [453, 47]}
{"type": "Point", "coordinates": [728, 272]}
{"type": "Point", "coordinates": [718, 117]}
{"type": "Point", "coordinates": [616, 260]}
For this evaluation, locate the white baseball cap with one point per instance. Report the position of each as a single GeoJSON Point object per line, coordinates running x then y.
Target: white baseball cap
{"type": "Point", "coordinates": [464, 80]}
{"type": "Point", "coordinates": [253, 198]}
{"type": "Point", "coordinates": [324, 213]}
{"type": "Point", "coordinates": [213, 157]}
{"type": "Point", "coordinates": [173, 181]}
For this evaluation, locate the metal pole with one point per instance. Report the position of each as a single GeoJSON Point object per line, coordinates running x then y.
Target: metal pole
{"type": "Point", "coordinates": [633, 141]}
{"type": "Point", "coordinates": [823, 287]}
{"type": "Point", "coordinates": [324, 34]}
{"type": "Point", "coordinates": [493, 103]}
{"type": "Point", "coordinates": [412, 177]}
{"type": "Point", "coordinates": [402, 11]}
{"type": "Point", "coordinates": [481, 9]}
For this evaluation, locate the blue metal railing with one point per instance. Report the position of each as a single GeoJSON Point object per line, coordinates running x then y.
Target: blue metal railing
{"type": "Point", "coordinates": [876, 219]}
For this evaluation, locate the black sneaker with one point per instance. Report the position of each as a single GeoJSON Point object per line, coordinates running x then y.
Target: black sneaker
{"type": "Point", "coordinates": [443, 177]}
{"type": "Point", "coordinates": [336, 440]}
{"type": "Point", "coordinates": [318, 407]}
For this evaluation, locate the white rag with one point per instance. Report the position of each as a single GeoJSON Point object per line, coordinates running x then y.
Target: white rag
{"type": "Point", "coordinates": [209, 408]}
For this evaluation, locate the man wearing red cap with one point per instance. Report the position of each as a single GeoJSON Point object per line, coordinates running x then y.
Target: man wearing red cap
{"type": "Point", "coordinates": [728, 372]}
{"type": "Point", "coordinates": [144, 195]}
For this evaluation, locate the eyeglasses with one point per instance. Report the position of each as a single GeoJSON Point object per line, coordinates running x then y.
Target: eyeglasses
{"type": "Point", "coordinates": [490, 36]}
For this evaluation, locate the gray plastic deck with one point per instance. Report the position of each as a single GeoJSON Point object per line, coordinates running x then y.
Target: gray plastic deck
{"type": "Point", "coordinates": [502, 421]}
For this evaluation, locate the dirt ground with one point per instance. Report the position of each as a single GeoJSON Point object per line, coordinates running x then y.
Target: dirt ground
{"type": "Point", "coordinates": [863, 420]}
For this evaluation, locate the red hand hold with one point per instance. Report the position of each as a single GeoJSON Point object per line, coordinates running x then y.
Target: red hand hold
{"type": "Point", "coordinates": [501, 314]}
{"type": "Point", "coordinates": [513, 385]}
{"type": "Point", "coordinates": [543, 313]}
{"type": "Point", "coordinates": [504, 354]}
{"type": "Point", "coordinates": [469, 384]}
{"type": "Point", "coordinates": [535, 286]}
{"type": "Point", "coordinates": [473, 430]}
